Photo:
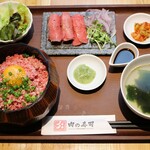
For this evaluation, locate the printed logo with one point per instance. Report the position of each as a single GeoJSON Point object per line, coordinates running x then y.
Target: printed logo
{"type": "Point", "coordinates": [60, 125]}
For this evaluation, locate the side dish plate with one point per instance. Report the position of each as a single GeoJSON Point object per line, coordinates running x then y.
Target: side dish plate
{"type": "Point", "coordinates": [68, 49]}
{"type": "Point", "coordinates": [129, 26]}
{"type": "Point", "coordinates": [93, 62]}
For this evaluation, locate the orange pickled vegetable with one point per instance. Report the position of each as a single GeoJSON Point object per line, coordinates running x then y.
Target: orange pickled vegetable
{"type": "Point", "coordinates": [141, 31]}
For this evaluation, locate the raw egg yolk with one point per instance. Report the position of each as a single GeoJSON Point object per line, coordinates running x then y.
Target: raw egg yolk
{"type": "Point", "coordinates": [14, 75]}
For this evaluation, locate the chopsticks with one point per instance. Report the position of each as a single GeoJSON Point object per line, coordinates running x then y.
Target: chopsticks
{"type": "Point", "coordinates": [123, 125]}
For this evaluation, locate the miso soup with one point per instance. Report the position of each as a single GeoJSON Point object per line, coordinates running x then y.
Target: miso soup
{"type": "Point", "coordinates": [138, 88]}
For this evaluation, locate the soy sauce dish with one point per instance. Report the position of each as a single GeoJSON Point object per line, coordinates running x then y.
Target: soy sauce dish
{"type": "Point", "coordinates": [123, 54]}
{"type": "Point", "coordinates": [86, 72]}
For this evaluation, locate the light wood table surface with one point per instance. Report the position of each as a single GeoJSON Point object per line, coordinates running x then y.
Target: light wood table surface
{"type": "Point", "coordinates": [71, 146]}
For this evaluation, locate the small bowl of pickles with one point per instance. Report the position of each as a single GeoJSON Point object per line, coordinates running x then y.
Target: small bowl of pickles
{"type": "Point", "coordinates": [136, 28]}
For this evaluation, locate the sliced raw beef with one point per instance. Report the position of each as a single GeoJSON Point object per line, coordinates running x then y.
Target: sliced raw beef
{"type": "Point", "coordinates": [67, 27]}
{"type": "Point", "coordinates": [54, 26]}
{"type": "Point", "coordinates": [76, 41]}
{"type": "Point", "coordinates": [80, 28]}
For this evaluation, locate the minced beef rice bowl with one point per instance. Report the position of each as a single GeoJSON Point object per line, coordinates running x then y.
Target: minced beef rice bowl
{"type": "Point", "coordinates": [23, 79]}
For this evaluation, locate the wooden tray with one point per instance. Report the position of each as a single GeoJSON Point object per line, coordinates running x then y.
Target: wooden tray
{"type": "Point", "coordinates": [105, 100]}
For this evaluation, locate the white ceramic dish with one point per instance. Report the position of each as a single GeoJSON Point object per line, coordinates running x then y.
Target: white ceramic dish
{"type": "Point", "coordinates": [91, 61]}
{"type": "Point", "coordinates": [14, 5]}
{"type": "Point", "coordinates": [141, 60]}
{"type": "Point", "coordinates": [125, 45]}
{"type": "Point", "coordinates": [129, 26]}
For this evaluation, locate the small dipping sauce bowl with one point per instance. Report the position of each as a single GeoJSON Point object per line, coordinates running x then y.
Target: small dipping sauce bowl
{"type": "Point", "coordinates": [123, 54]}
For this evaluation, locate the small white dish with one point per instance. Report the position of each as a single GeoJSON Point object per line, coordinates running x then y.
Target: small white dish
{"type": "Point", "coordinates": [129, 23]}
{"type": "Point", "coordinates": [94, 63]}
{"type": "Point", "coordinates": [141, 81]}
{"type": "Point", "coordinates": [128, 47]}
